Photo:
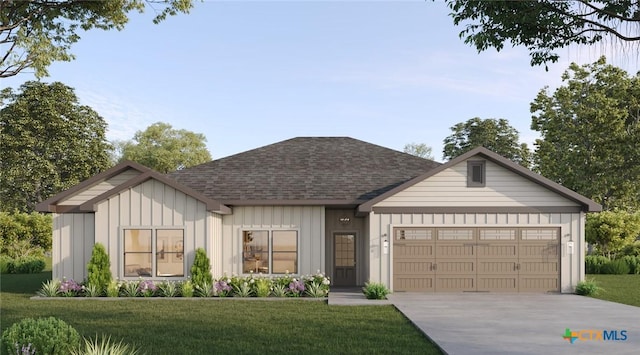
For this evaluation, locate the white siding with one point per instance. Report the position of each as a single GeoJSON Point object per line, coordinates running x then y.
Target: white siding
{"type": "Point", "coordinates": [151, 204]}
{"type": "Point", "coordinates": [449, 189]}
{"type": "Point", "coordinates": [571, 225]}
{"type": "Point", "coordinates": [73, 239]}
{"type": "Point", "coordinates": [102, 187]}
{"type": "Point", "coordinates": [307, 220]}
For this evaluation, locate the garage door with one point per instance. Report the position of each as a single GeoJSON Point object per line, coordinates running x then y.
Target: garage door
{"type": "Point", "coordinates": [476, 259]}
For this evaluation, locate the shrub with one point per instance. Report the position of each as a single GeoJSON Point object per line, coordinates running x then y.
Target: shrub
{"type": "Point", "coordinates": [6, 262]}
{"type": "Point", "coordinates": [168, 289]}
{"type": "Point", "coordinates": [28, 265]}
{"type": "Point", "coordinates": [130, 289]}
{"type": "Point", "coordinates": [594, 263]}
{"type": "Point", "coordinates": [113, 289]}
{"type": "Point", "coordinates": [633, 262]}
{"type": "Point", "coordinates": [262, 287]}
{"type": "Point", "coordinates": [44, 335]}
{"type": "Point", "coordinates": [375, 291]}
{"type": "Point", "coordinates": [588, 287]}
{"type": "Point", "coordinates": [632, 249]}
{"type": "Point", "coordinates": [186, 288]}
{"type": "Point", "coordinates": [50, 288]}
{"type": "Point", "coordinates": [99, 268]}
{"type": "Point", "coordinates": [616, 267]}
{"type": "Point", "coordinates": [201, 269]}
{"type": "Point", "coordinates": [105, 346]}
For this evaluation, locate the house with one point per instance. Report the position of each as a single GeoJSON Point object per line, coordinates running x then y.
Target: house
{"type": "Point", "coordinates": [357, 211]}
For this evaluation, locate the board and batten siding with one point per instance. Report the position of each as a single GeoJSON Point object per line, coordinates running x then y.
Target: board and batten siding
{"type": "Point", "coordinates": [100, 188]}
{"type": "Point", "coordinates": [449, 188]}
{"type": "Point", "coordinates": [73, 235]}
{"type": "Point", "coordinates": [571, 229]}
{"type": "Point", "coordinates": [307, 220]}
{"type": "Point", "coordinates": [151, 204]}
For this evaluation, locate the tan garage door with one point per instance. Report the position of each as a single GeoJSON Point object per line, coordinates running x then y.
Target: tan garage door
{"type": "Point", "coordinates": [476, 259]}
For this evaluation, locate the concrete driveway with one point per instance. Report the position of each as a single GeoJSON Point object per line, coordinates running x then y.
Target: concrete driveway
{"type": "Point", "coordinates": [490, 323]}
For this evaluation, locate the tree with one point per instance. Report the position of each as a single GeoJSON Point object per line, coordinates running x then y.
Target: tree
{"type": "Point", "coordinates": [494, 134]}
{"type": "Point", "coordinates": [420, 150]}
{"type": "Point", "coordinates": [201, 270]}
{"type": "Point", "coordinates": [48, 143]}
{"type": "Point", "coordinates": [165, 149]}
{"type": "Point", "coordinates": [544, 26]}
{"type": "Point", "coordinates": [612, 231]}
{"type": "Point", "coordinates": [35, 33]}
{"type": "Point", "coordinates": [590, 134]}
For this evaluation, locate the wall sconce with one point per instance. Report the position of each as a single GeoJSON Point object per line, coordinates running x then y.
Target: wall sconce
{"type": "Point", "coordinates": [344, 220]}
{"type": "Point", "coordinates": [385, 247]}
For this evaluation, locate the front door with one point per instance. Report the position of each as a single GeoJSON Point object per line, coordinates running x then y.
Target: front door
{"type": "Point", "coordinates": [344, 261]}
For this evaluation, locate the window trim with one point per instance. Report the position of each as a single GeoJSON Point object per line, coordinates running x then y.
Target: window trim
{"type": "Point", "coordinates": [270, 243]}
{"type": "Point", "coordinates": [154, 251]}
{"type": "Point", "coordinates": [471, 164]}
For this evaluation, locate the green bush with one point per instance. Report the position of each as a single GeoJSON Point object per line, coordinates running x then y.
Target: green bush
{"type": "Point", "coordinates": [201, 269]}
{"type": "Point", "coordinates": [633, 262]}
{"type": "Point", "coordinates": [99, 269]}
{"type": "Point", "coordinates": [632, 249]}
{"type": "Point", "coordinates": [588, 287]}
{"type": "Point", "coordinates": [42, 336]}
{"type": "Point", "coordinates": [616, 267]}
{"type": "Point", "coordinates": [28, 265]}
{"type": "Point", "coordinates": [375, 291]}
{"type": "Point", "coordinates": [594, 263]}
{"type": "Point", "coordinates": [35, 229]}
{"type": "Point", "coordinates": [5, 260]}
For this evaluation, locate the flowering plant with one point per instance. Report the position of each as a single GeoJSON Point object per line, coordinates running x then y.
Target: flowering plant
{"type": "Point", "coordinates": [222, 287]}
{"type": "Point", "coordinates": [296, 287]}
{"type": "Point", "coordinates": [69, 288]}
{"type": "Point", "coordinates": [147, 288]}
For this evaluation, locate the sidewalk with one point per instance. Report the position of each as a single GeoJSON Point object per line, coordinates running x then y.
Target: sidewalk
{"type": "Point", "coordinates": [352, 296]}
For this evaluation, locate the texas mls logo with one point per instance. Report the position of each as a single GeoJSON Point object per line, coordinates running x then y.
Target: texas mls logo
{"type": "Point", "coordinates": [594, 335]}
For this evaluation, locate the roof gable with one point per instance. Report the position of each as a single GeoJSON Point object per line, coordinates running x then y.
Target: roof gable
{"type": "Point", "coordinates": [305, 170]}
{"type": "Point", "coordinates": [585, 203]}
{"type": "Point", "coordinates": [56, 203]}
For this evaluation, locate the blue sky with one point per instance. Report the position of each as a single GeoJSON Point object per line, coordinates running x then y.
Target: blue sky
{"type": "Point", "coordinates": [247, 74]}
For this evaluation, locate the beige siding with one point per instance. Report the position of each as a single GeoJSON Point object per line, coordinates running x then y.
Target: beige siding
{"type": "Point", "coordinates": [151, 204]}
{"type": "Point", "coordinates": [571, 229]}
{"type": "Point", "coordinates": [73, 239]}
{"type": "Point", "coordinates": [449, 189]}
{"type": "Point", "coordinates": [102, 187]}
{"type": "Point", "coordinates": [307, 220]}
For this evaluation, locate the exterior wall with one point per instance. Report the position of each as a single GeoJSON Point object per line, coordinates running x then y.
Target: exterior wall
{"type": "Point", "coordinates": [73, 235]}
{"type": "Point", "coordinates": [151, 204]}
{"type": "Point", "coordinates": [571, 225]}
{"type": "Point", "coordinates": [449, 188]}
{"type": "Point", "coordinates": [96, 190]}
{"type": "Point", "coordinates": [307, 220]}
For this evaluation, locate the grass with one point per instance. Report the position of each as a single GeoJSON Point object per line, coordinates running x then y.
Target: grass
{"type": "Point", "coordinates": [196, 326]}
{"type": "Point", "coordinates": [619, 288]}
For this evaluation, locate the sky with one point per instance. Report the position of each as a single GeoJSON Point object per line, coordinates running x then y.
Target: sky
{"type": "Point", "coordinates": [247, 74]}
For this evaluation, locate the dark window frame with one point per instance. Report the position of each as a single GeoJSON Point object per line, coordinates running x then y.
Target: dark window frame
{"type": "Point", "coordinates": [473, 180]}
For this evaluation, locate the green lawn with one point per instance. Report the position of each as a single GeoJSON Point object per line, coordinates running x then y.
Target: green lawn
{"type": "Point", "coordinates": [196, 326]}
{"type": "Point", "coordinates": [619, 288]}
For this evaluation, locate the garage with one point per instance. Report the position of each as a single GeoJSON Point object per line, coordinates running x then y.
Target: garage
{"type": "Point", "coordinates": [427, 259]}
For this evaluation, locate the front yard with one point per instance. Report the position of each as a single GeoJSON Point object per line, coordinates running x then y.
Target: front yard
{"type": "Point", "coordinates": [619, 288]}
{"type": "Point", "coordinates": [197, 326]}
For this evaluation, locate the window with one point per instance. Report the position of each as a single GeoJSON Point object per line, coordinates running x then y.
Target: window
{"type": "Point", "coordinates": [140, 246]}
{"type": "Point", "coordinates": [476, 174]}
{"type": "Point", "coordinates": [270, 252]}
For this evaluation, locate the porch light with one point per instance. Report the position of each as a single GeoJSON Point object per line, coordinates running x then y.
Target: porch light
{"type": "Point", "coordinates": [344, 220]}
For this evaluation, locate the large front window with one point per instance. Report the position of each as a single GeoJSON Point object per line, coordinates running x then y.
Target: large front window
{"type": "Point", "coordinates": [153, 252]}
{"type": "Point", "coordinates": [270, 252]}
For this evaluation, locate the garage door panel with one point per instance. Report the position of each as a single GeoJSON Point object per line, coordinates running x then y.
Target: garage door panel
{"type": "Point", "coordinates": [539, 284]}
{"type": "Point", "coordinates": [413, 267]}
{"type": "Point", "coordinates": [413, 250]}
{"type": "Point", "coordinates": [413, 284]}
{"type": "Point", "coordinates": [451, 283]}
{"type": "Point", "coordinates": [498, 283]}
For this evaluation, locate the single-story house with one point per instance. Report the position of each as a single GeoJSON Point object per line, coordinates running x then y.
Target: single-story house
{"type": "Point", "coordinates": [357, 211]}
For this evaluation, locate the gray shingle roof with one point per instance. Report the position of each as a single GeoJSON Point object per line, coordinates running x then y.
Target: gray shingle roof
{"type": "Point", "coordinates": [305, 169]}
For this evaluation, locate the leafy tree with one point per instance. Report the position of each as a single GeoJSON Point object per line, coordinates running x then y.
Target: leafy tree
{"type": "Point", "coordinates": [420, 150]}
{"type": "Point", "coordinates": [544, 26]}
{"type": "Point", "coordinates": [35, 33]}
{"type": "Point", "coordinates": [612, 231]}
{"type": "Point", "coordinates": [201, 269]}
{"type": "Point", "coordinates": [165, 149]}
{"type": "Point", "coordinates": [25, 233]}
{"type": "Point", "coordinates": [494, 134]}
{"type": "Point", "coordinates": [99, 268]}
{"type": "Point", "coordinates": [590, 134]}
{"type": "Point", "coordinates": [48, 143]}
